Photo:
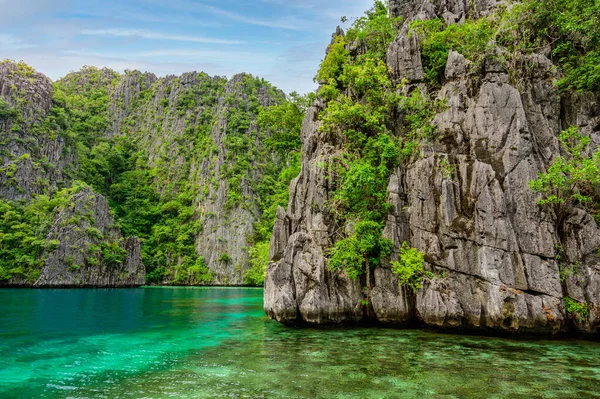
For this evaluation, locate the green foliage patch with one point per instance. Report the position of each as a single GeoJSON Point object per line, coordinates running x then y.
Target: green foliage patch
{"type": "Point", "coordinates": [576, 310]}
{"type": "Point", "coordinates": [572, 29]}
{"type": "Point", "coordinates": [376, 30]}
{"type": "Point", "coordinates": [7, 111]}
{"type": "Point", "coordinates": [24, 229]}
{"type": "Point", "coordinates": [572, 179]}
{"type": "Point", "coordinates": [259, 260]}
{"type": "Point", "coordinates": [360, 251]}
{"type": "Point", "coordinates": [409, 268]}
{"type": "Point", "coordinates": [362, 107]}
{"type": "Point", "coordinates": [569, 28]}
{"type": "Point", "coordinates": [470, 38]}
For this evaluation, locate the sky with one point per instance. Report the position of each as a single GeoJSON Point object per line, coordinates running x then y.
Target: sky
{"type": "Point", "coordinates": [282, 41]}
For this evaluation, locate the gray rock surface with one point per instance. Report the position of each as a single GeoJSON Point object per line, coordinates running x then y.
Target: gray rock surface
{"type": "Point", "coordinates": [464, 202]}
{"type": "Point", "coordinates": [85, 235]}
{"type": "Point", "coordinates": [32, 159]}
{"type": "Point", "coordinates": [452, 11]}
{"type": "Point", "coordinates": [299, 284]}
{"type": "Point", "coordinates": [162, 126]}
{"type": "Point", "coordinates": [404, 59]}
{"type": "Point", "coordinates": [84, 229]}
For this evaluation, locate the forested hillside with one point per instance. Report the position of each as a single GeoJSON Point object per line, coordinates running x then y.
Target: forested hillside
{"type": "Point", "coordinates": [194, 166]}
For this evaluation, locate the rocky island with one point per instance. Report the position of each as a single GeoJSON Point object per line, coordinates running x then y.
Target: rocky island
{"type": "Point", "coordinates": [471, 232]}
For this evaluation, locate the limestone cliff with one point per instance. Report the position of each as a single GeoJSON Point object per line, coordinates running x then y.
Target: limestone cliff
{"type": "Point", "coordinates": [32, 159]}
{"type": "Point", "coordinates": [190, 146]}
{"type": "Point", "coordinates": [201, 131]}
{"type": "Point", "coordinates": [464, 202]}
{"type": "Point", "coordinates": [82, 246]}
{"type": "Point", "coordinates": [90, 250]}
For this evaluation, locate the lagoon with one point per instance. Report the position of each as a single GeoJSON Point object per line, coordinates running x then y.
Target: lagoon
{"type": "Point", "coordinates": [217, 343]}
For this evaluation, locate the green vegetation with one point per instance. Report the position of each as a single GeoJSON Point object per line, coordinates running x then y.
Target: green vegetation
{"type": "Point", "coordinates": [571, 179]}
{"type": "Point", "coordinates": [115, 168]}
{"type": "Point", "coordinates": [80, 114]}
{"type": "Point", "coordinates": [470, 39]}
{"type": "Point", "coordinates": [259, 260]}
{"type": "Point", "coordinates": [332, 68]}
{"type": "Point", "coordinates": [282, 124]}
{"type": "Point", "coordinates": [156, 202]}
{"type": "Point", "coordinates": [158, 198]}
{"type": "Point", "coordinates": [167, 227]}
{"type": "Point", "coordinates": [112, 253]}
{"type": "Point", "coordinates": [196, 273]}
{"type": "Point", "coordinates": [361, 251]}
{"type": "Point", "coordinates": [571, 29]}
{"type": "Point", "coordinates": [409, 268]}
{"type": "Point", "coordinates": [579, 311]}
{"type": "Point", "coordinates": [24, 229]}
{"type": "Point", "coordinates": [23, 232]}
{"type": "Point", "coordinates": [375, 29]}
{"type": "Point", "coordinates": [361, 108]}
{"type": "Point", "coordinates": [371, 152]}
{"type": "Point", "coordinates": [6, 110]}
{"type": "Point", "coordinates": [242, 138]}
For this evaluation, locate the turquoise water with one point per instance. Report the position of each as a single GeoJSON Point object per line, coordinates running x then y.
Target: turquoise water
{"type": "Point", "coordinates": [217, 343]}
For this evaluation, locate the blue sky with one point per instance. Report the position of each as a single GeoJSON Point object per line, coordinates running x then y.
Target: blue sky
{"type": "Point", "coordinates": [280, 40]}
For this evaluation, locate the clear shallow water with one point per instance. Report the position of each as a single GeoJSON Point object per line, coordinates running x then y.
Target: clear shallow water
{"type": "Point", "coordinates": [216, 343]}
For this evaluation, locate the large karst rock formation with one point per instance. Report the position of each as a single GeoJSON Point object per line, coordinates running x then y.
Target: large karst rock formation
{"type": "Point", "coordinates": [32, 161]}
{"type": "Point", "coordinates": [492, 248]}
{"type": "Point", "coordinates": [198, 132]}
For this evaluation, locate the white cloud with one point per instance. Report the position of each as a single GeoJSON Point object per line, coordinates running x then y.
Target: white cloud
{"type": "Point", "coordinates": [10, 41]}
{"type": "Point", "coordinates": [287, 23]}
{"type": "Point", "coordinates": [183, 54]}
{"type": "Point", "coordinates": [274, 21]}
{"type": "Point", "coordinates": [119, 32]}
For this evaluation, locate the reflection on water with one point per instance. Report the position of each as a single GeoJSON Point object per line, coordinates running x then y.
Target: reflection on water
{"type": "Point", "coordinates": [212, 342]}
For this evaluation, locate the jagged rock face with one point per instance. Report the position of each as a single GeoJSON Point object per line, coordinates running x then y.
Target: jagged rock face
{"type": "Point", "coordinates": [162, 126]}
{"type": "Point", "coordinates": [452, 11]}
{"type": "Point", "coordinates": [465, 203]}
{"type": "Point", "coordinates": [299, 283]}
{"type": "Point", "coordinates": [31, 159]}
{"type": "Point", "coordinates": [228, 231]}
{"type": "Point", "coordinates": [35, 158]}
{"type": "Point", "coordinates": [84, 229]}
{"type": "Point", "coordinates": [198, 132]}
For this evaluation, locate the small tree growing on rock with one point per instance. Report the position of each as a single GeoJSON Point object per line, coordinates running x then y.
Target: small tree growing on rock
{"type": "Point", "coordinates": [409, 267]}
{"type": "Point", "coordinates": [572, 179]}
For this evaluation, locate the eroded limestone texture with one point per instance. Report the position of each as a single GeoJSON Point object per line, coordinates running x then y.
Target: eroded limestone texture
{"type": "Point", "coordinates": [491, 247]}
